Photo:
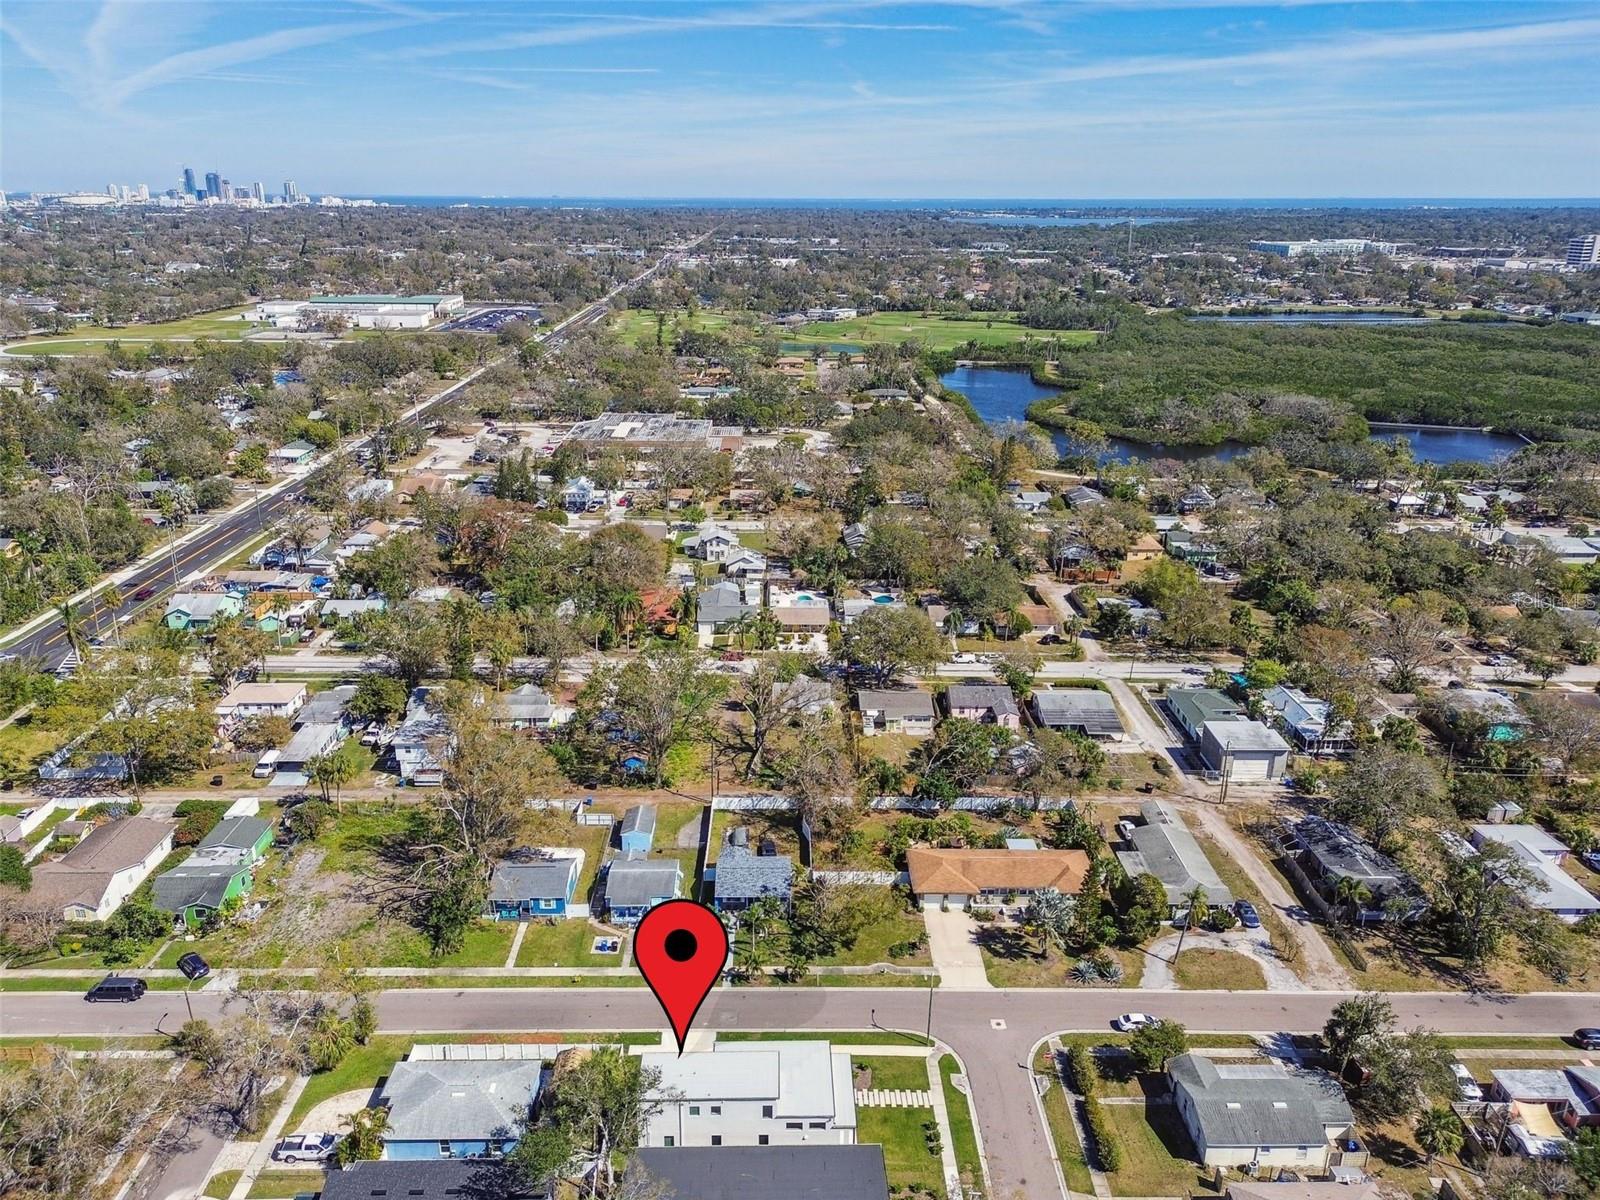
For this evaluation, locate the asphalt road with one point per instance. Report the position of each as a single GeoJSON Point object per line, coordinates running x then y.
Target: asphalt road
{"type": "Point", "coordinates": [227, 535]}
{"type": "Point", "coordinates": [996, 1058]}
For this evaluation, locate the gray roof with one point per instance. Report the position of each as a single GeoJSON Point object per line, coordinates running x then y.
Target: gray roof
{"type": "Point", "coordinates": [900, 702]}
{"type": "Point", "coordinates": [742, 875]}
{"type": "Point", "coordinates": [990, 696]}
{"type": "Point", "coordinates": [769, 1172]}
{"type": "Point", "coordinates": [641, 818]}
{"type": "Point", "coordinates": [235, 833]}
{"type": "Point", "coordinates": [1234, 735]}
{"type": "Point", "coordinates": [634, 881]}
{"type": "Point", "coordinates": [721, 602]}
{"type": "Point", "coordinates": [1197, 705]}
{"type": "Point", "coordinates": [325, 708]}
{"type": "Point", "coordinates": [437, 1099]}
{"type": "Point", "coordinates": [1164, 847]}
{"type": "Point", "coordinates": [1092, 710]}
{"type": "Point", "coordinates": [1259, 1104]}
{"type": "Point", "coordinates": [1340, 853]}
{"type": "Point", "coordinates": [421, 1179]}
{"type": "Point", "coordinates": [199, 879]}
{"type": "Point", "coordinates": [538, 879]}
{"type": "Point", "coordinates": [530, 702]}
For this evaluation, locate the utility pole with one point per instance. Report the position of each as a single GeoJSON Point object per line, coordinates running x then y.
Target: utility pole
{"type": "Point", "coordinates": [932, 982]}
{"type": "Point", "coordinates": [1227, 772]}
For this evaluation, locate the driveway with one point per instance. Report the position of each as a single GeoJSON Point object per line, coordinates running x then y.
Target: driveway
{"type": "Point", "coordinates": [1251, 943]}
{"type": "Point", "coordinates": [953, 943]}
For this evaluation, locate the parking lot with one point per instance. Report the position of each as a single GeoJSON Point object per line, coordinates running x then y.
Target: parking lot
{"type": "Point", "coordinates": [489, 319]}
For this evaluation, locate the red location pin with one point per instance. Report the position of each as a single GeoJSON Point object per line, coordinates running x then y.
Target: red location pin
{"type": "Point", "coordinates": [680, 947]}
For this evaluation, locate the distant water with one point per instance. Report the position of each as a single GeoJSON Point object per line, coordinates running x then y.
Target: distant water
{"type": "Point", "coordinates": [1000, 394]}
{"type": "Point", "coordinates": [1036, 221]}
{"type": "Point", "coordinates": [978, 203]}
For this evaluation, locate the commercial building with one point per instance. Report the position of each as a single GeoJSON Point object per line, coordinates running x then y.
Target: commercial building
{"type": "Point", "coordinates": [361, 311]}
{"type": "Point", "coordinates": [753, 1094]}
{"type": "Point", "coordinates": [1324, 247]}
{"type": "Point", "coordinates": [642, 430]}
{"type": "Point", "coordinates": [1584, 250]}
{"type": "Point", "coordinates": [1243, 751]}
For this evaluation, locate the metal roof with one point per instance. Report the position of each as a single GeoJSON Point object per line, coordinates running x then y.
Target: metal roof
{"type": "Point", "coordinates": [770, 1172]}
{"type": "Point", "coordinates": [1164, 847]}
{"type": "Point", "coordinates": [1088, 709]}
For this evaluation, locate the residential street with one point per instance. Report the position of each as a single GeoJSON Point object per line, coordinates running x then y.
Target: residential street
{"type": "Point", "coordinates": [996, 1058]}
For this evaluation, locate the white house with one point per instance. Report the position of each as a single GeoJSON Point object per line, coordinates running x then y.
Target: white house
{"type": "Point", "coordinates": [261, 700]}
{"type": "Point", "coordinates": [92, 879]}
{"type": "Point", "coordinates": [710, 542]}
{"type": "Point", "coordinates": [1262, 1115]}
{"type": "Point", "coordinates": [902, 710]}
{"type": "Point", "coordinates": [1551, 888]}
{"type": "Point", "coordinates": [754, 1094]}
{"type": "Point", "coordinates": [292, 455]}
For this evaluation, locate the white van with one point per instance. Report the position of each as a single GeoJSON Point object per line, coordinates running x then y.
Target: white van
{"type": "Point", "coordinates": [266, 764]}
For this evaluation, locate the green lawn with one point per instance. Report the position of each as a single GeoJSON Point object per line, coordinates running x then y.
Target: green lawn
{"type": "Point", "coordinates": [892, 1072]}
{"type": "Point", "coordinates": [222, 324]}
{"type": "Point", "coordinates": [1152, 1139]}
{"type": "Point", "coordinates": [872, 944]}
{"type": "Point", "coordinates": [77, 984]}
{"type": "Point", "coordinates": [905, 1152]}
{"type": "Point", "coordinates": [936, 332]}
{"type": "Point", "coordinates": [962, 1132]}
{"type": "Point", "coordinates": [1068, 1150]}
{"type": "Point", "coordinates": [274, 1183]}
{"type": "Point", "coordinates": [639, 324]}
{"type": "Point", "coordinates": [875, 1037]}
{"type": "Point", "coordinates": [1202, 968]}
{"type": "Point", "coordinates": [562, 944]}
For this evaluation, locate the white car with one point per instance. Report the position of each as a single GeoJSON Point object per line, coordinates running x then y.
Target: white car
{"type": "Point", "coordinates": [1132, 1022]}
{"type": "Point", "coordinates": [1466, 1086]}
{"type": "Point", "coordinates": [963, 658]}
{"type": "Point", "coordinates": [305, 1147]}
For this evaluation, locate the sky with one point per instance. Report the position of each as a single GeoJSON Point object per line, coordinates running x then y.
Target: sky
{"type": "Point", "coordinates": [808, 98]}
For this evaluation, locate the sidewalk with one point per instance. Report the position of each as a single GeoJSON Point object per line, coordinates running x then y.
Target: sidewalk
{"type": "Point", "coordinates": [1097, 1177]}
{"type": "Point", "coordinates": [260, 1157]}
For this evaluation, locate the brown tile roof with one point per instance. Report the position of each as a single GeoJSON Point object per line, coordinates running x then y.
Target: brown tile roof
{"type": "Point", "coordinates": [967, 872]}
{"type": "Point", "coordinates": [83, 873]}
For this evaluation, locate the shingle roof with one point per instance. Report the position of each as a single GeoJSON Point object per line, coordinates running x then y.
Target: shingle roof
{"type": "Point", "coordinates": [235, 833]}
{"type": "Point", "coordinates": [1341, 853]}
{"type": "Point", "coordinates": [1257, 1104]}
{"type": "Point", "coordinates": [742, 875]}
{"type": "Point", "coordinates": [1197, 705]}
{"type": "Point", "coordinates": [900, 702]}
{"type": "Point", "coordinates": [201, 879]}
{"type": "Point", "coordinates": [631, 882]}
{"type": "Point", "coordinates": [967, 872]}
{"type": "Point", "coordinates": [436, 1099]}
{"type": "Point", "coordinates": [721, 602]}
{"type": "Point", "coordinates": [770, 1172]}
{"type": "Point", "coordinates": [421, 1179]}
{"type": "Point", "coordinates": [641, 818]}
{"type": "Point", "coordinates": [984, 696]}
{"type": "Point", "coordinates": [544, 879]}
{"type": "Point", "coordinates": [82, 874]}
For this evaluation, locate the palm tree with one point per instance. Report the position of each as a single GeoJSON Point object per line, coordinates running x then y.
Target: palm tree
{"type": "Point", "coordinates": [1198, 911]}
{"type": "Point", "coordinates": [72, 627]}
{"type": "Point", "coordinates": [1350, 896]}
{"type": "Point", "coordinates": [626, 609]}
{"type": "Point", "coordinates": [1439, 1131]}
{"type": "Point", "coordinates": [111, 599]}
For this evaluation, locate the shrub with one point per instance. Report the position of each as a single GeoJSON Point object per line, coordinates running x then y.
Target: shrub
{"type": "Point", "coordinates": [1106, 1148]}
{"type": "Point", "coordinates": [1084, 1073]}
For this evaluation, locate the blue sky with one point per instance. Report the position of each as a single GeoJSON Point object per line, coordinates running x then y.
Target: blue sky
{"type": "Point", "coordinates": [858, 98]}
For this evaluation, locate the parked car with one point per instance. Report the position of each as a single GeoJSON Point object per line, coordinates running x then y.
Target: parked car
{"type": "Point", "coordinates": [1248, 917]}
{"type": "Point", "coordinates": [963, 657]}
{"type": "Point", "coordinates": [1587, 1038]}
{"type": "Point", "coordinates": [1195, 671]}
{"type": "Point", "coordinates": [1466, 1086]}
{"type": "Point", "coordinates": [193, 966]}
{"type": "Point", "coordinates": [120, 988]}
{"type": "Point", "coordinates": [305, 1147]}
{"type": "Point", "coordinates": [1131, 1022]}
{"type": "Point", "coordinates": [1124, 831]}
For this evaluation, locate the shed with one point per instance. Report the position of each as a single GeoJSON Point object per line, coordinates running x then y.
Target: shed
{"type": "Point", "coordinates": [637, 831]}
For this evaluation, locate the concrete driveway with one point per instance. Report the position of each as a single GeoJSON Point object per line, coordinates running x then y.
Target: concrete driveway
{"type": "Point", "coordinates": [953, 943]}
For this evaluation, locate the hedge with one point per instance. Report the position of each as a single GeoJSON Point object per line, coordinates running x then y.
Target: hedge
{"type": "Point", "coordinates": [1106, 1148]}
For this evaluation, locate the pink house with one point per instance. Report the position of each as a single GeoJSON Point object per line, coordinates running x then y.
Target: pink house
{"type": "Point", "coordinates": [988, 704]}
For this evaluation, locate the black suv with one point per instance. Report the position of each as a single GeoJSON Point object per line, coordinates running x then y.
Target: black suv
{"type": "Point", "coordinates": [1587, 1038]}
{"type": "Point", "coordinates": [117, 987]}
{"type": "Point", "coordinates": [193, 966]}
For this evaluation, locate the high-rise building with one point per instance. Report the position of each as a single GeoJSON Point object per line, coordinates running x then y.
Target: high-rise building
{"type": "Point", "coordinates": [290, 192]}
{"type": "Point", "coordinates": [258, 191]}
{"type": "Point", "coordinates": [111, 190]}
{"type": "Point", "coordinates": [214, 184]}
{"type": "Point", "coordinates": [144, 192]}
{"type": "Point", "coordinates": [1584, 251]}
{"type": "Point", "coordinates": [188, 181]}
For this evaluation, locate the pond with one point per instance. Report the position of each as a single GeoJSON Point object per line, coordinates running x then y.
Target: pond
{"type": "Point", "coordinates": [1001, 394]}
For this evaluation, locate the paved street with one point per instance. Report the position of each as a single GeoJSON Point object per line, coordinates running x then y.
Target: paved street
{"type": "Point", "coordinates": [996, 1059]}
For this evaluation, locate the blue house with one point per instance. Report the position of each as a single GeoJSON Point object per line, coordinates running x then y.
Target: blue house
{"type": "Point", "coordinates": [741, 878]}
{"type": "Point", "coordinates": [634, 886]}
{"type": "Point", "coordinates": [638, 829]}
{"type": "Point", "coordinates": [445, 1106]}
{"type": "Point", "coordinates": [540, 886]}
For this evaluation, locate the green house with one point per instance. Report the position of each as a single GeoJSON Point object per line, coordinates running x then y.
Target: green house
{"type": "Point", "coordinates": [246, 836]}
{"type": "Point", "coordinates": [200, 885]}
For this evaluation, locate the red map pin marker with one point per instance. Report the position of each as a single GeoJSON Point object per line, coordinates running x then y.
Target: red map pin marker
{"type": "Point", "coordinates": [680, 947]}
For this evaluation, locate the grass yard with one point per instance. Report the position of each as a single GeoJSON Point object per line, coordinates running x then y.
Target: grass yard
{"type": "Point", "coordinates": [935, 331]}
{"type": "Point", "coordinates": [1063, 1135]}
{"type": "Point", "coordinates": [563, 944]}
{"type": "Point", "coordinates": [898, 924]}
{"type": "Point", "coordinates": [779, 826]}
{"type": "Point", "coordinates": [1207, 969]}
{"type": "Point", "coordinates": [24, 744]}
{"type": "Point", "coordinates": [222, 323]}
{"type": "Point", "coordinates": [272, 1184]}
{"type": "Point", "coordinates": [77, 984]}
{"type": "Point", "coordinates": [892, 1073]}
{"type": "Point", "coordinates": [906, 1156]}
{"type": "Point", "coordinates": [1153, 1142]}
{"type": "Point", "coordinates": [874, 1037]}
{"type": "Point", "coordinates": [638, 325]}
{"type": "Point", "coordinates": [962, 1131]}
{"type": "Point", "coordinates": [1010, 959]}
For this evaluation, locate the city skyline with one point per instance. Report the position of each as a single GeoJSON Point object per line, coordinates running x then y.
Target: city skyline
{"type": "Point", "coordinates": [812, 98]}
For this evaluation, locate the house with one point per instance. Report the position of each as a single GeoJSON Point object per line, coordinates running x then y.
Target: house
{"type": "Point", "coordinates": [1490, 713]}
{"type": "Point", "coordinates": [1083, 496]}
{"type": "Point", "coordinates": [197, 611]}
{"type": "Point", "coordinates": [753, 1094]}
{"type": "Point", "coordinates": [769, 1172]}
{"type": "Point", "coordinates": [637, 830]}
{"type": "Point", "coordinates": [1551, 888]}
{"type": "Point", "coordinates": [1186, 546]}
{"type": "Point", "coordinates": [245, 837]}
{"type": "Point", "coordinates": [854, 536]}
{"type": "Point", "coordinates": [852, 607]}
{"type": "Point", "coordinates": [718, 609]}
{"type": "Point", "coordinates": [986, 878]}
{"type": "Point", "coordinates": [740, 878]}
{"type": "Point", "coordinates": [199, 886]}
{"type": "Point", "coordinates": [292, 455]}
{"type": "Point", "coordinates": [1192, 707]}
{"type": "Point", "coordinates": [92, 879]}
{"type": "Point", "coordinates": [1029, 502]}
{"type": "Point", "coordinates": [1326, 1189]}
{"type": "Point", "coordinates": [1244, 751]}
{"type": "Point", "coordinates": [529, 707]}
{"type": "Point", "coordinates": [1041, 618]}
{"type": "Point", "coordinates": [1146, 549]}
{"type": "Point", "coordinates": [803, 626]}
{"type": "Point", "coordinates": [710, 542]}
{"type": "Point", "coordinates": [1199, 498]}
{"type": "Point", "coordinates": [334, 611]}
{"type": "Point", "coordinates": [419, 742]}
{"type": "Point", "coordinates": [456, 1101]}
{"type": "Point", "coordinates": [423, 483]}
{"type": "Point", "coordinates": [741, 562]}
{"type": "Point", "coordinates": [536, 885]}
{"type": "Point", "coordinates": [633, 886]}
{"type": "Point", "coordinates": [310, 741]}
{"type": "Point", "coordinates": [1262, 1115]}
{"type": "Point", "coordinates": [249, 700]}
{"type": "Point", "coordinates": [425, 1179]}
{"type": "Point", "coordinates": [1547, 1102]}
{"type": "Point", "coordinates": [1088, 711]}
{"type": "Point", "coordinates": [1164, 847]}
{"type": "Point", "coordinates": [1308, 721]}
{"type": "Point", "coordinates": [990, 704]}
{"type": "Point", "coordinates": [901, 710]}
{"type": "Point", "coordinates": [1327, 852]}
